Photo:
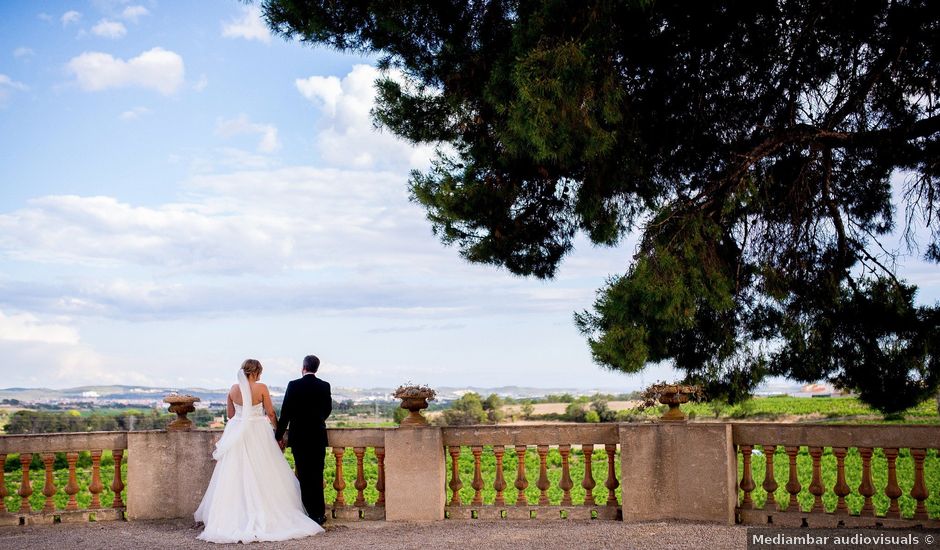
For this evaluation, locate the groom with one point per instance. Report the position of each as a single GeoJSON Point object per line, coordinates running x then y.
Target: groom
{"type": "Point", "coordinates": [307, 404]}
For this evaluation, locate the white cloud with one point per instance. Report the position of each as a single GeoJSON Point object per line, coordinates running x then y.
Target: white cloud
{"type": "Point", "coordinates": [346, 135]}
{"type": "Point", "coordinates": [109, 29]}
{"type": "Point", "coordinates": [249, 26]}
{"type": "Point", "coordinates": [156, 69]}
{"type": "Point", "coordinates": [43, 16]}
{"type": "Point", "coordinates": [327, 90]}
{"type": "Point", "coordinates": [283, 240]}
{"type": "Point", "coordinates": [70, 17]}
{"type": "Point", "coordinates": [7, 82]}
{"type": "Point", "coordinates": [104, 230]}
{"type": "Point", "coordinates": [25, 327]}
{"type": "Point", "coordinates": [134, 13]}
{"type": "Point", "coordinates": [22, 52]}
{"type": "Point", "coordinates": [201, 84]}
{"type": "Point", "coordinates": [135, 113]}
{"type": "Point", "coordinates": [50, 353]}
{"type": "Point", "coordinates": [241, 125]}
{"type": "Point", "coordinates": [8, 86]}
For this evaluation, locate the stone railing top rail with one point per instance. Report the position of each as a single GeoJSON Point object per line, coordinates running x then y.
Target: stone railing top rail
{"type": "Point", "coordinates": [547, 434]}
{"type": "Point", "coordinates": [357, 437]}
{"type": "Point", "coordinates": [62, 442]}
{"type": "Point", "coordinates": [837, 435]}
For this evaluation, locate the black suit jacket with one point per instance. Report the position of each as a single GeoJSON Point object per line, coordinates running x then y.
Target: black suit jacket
{"type": "Point", "coordinates": [307, 404]}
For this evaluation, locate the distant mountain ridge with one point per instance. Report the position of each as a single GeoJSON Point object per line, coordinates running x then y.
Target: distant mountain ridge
{"type": "Point", "coordinates": [119, 392]}
{"type": "Point", "coordinates": [123, 392]}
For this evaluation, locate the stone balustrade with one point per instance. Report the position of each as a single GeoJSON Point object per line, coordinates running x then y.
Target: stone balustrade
{"type": "Point", "coordinates": [97, 445]}
{"type": "Point", "coordinates": [591, 443]}
{"type": "Point", "coordinates": [700, 471]}
{"type": "Point", "coordinates": [361, 441]}
{"type": "Point", "coordinates": [867, 467]}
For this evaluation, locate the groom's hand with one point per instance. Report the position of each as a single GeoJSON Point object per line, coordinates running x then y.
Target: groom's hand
{"type": "Point", "coordinates": [282, 444]}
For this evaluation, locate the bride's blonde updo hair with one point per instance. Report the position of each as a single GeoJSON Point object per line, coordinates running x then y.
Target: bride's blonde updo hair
{"type": "Point", "coordinates": [252, 367]}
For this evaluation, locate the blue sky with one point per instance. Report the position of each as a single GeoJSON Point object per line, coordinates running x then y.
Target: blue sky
{"type": "Point", "coordinates": [179, 190]}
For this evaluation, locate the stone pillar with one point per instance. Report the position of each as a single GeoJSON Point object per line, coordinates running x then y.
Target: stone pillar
{"type": "Point", "coordinates": [168, 472]}
{"type": "Point", "coordinates": [414, 474]}
{"type": "Point", "coordinates": [678, 472]}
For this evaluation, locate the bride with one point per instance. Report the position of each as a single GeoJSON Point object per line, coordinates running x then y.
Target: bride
{"type": "Point", "coordinates": [253, 494]}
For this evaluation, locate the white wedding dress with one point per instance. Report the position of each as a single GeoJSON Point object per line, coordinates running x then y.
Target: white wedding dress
{"type": "Point", "coordinates": [253, 494]}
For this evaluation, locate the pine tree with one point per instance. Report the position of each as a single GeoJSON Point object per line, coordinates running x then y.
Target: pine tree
{"type": "Point", "coordinates": [751, 145]}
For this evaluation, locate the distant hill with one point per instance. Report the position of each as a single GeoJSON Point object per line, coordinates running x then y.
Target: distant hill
{"type": "Point", "coordinates": [137, 393]}
{"type": "Point", "coordinates": [444, 393]}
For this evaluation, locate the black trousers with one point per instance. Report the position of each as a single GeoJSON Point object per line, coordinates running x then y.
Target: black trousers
{"type": "Point", "coordinates": [309, 464]}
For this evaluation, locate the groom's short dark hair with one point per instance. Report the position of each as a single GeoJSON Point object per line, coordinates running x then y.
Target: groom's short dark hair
{"type": "Point", "coordinates": [311, 363]}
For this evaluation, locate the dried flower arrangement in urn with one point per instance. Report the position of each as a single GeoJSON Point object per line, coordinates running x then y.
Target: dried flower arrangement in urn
{"type": "Point", "coordinates": [672, 395]}
{"type": "Point", "coordinates": [413, 399]}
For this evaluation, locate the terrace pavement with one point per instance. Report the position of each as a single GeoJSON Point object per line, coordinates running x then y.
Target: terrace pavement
{"type": "Point", "coordinates": [450, 534]}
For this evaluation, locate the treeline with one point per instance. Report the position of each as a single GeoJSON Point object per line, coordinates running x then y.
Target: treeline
{"type": "Point", "coordinates": [377, 408]}
{"type": "Point", "coordinates": [39, 422]}
{"type": "Point", "coordinates": [591, 411]}
{"type": "Point", "coordinates": [471, 408]}
{"type": "Point", "coordinates": [568, 398]}
{"type": "Point", "coordinates": [27, 421]}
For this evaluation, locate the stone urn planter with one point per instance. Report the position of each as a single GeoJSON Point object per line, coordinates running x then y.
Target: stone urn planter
{"type": "Point", "coordinates": [181, 405]}
{"type": "Point", "coordinates": [672, 395]}
{"type": "Point", "coordinates": [413, 399]}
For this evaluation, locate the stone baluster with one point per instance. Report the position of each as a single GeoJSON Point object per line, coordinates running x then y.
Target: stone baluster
{"type": "Point", "coordinates": [48, 459]}
{"type": "Point", "coordinates": [542, 483]}
{"type": "Point", "coordinates": [521, 482]}
{"type": "Point", "coordinates": [380, 482]}
{"type": "Point", "coordinates": [499, 484]}
{"type": "Point", "coordinates": [611, 482]}
{"type": "Point", "coordinates": [747, 482]}
{"type": "Point", "coordinates": [117, 484]}
{"type": "Point", "coordinates": [588, 482]}
{"type": "Point", "coordinates": [455, 483]}
{"type": "Point", "coordinates": [816, 487]}
{"type": "Point", "coordinates": [770, 483]}
{"type": "Point", "coordinates": [892, 490]}
{"type": "Point", "coordinates": [26, 490]}
{"type": "Point", "coordinates": [919, 491]}
{"type": "Point", "coordinates": [565, 483]}
{"type": "Point", "coordinates": [71, 488]}
{"type": "Point", "coordinates": [95, 487]}
{"type": "Point", "coordinates": [793, 484]}
{"type": "Point", "coordinates": [477, 483]}
{"type": "Point", "coordinates": [360, 476]}
{"type": "Point", "coordinates": [339, 483]}
{"type": "Point", "coordinates": [866, 488]}
{"type": "Point", "coordinates": [3, 484]}
{"type": "Point", "coordinates": [842, 488]}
